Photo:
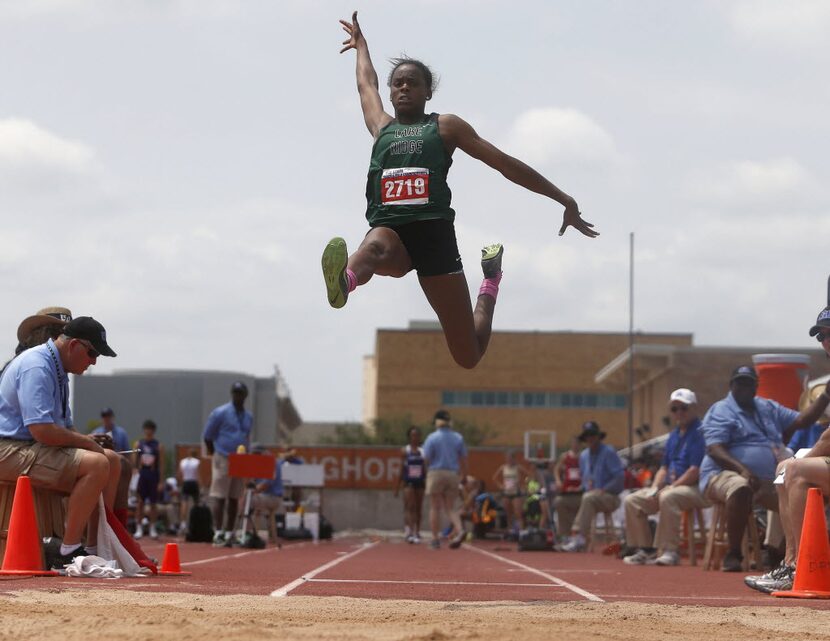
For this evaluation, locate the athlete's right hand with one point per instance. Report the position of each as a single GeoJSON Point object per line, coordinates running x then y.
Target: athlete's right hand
{"type": "Point", "coordinates": [355, 34]}
{"type": "Point", "coordinates": [572, 217]}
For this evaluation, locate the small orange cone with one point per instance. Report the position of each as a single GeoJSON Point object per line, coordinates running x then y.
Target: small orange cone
{"type": "Point", "coordinates": [812, 571]}
{"type": "Point", "coordinates": [23, 554]}
{"type": "Point", "coordinates": [170, 565]}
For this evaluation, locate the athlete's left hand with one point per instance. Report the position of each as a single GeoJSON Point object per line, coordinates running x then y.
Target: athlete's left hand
{"type": "Point", "coordinates": [573, 218]}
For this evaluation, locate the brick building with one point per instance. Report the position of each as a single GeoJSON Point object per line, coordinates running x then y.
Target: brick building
{"type": "Point", "coordinates": [549, 380]}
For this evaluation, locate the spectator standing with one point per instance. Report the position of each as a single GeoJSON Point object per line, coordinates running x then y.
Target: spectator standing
{"type": "Point", "coordinates": [120, 440]}
{"type": "Point", "coordinates": [120, 443]}
{"type": "Point", "coordinates": [413, 482]}
{"type": "Point", "coordinates": [673, 491]}
{"type": "Point", "coordinates": [446, 458]}
{"type": "Point", "coordinates": [602, 481]}
{"type": "Point", "coordinates": [510, 478]}
{"type": "Point", "coordinates": [568, 486]}
{"type": "Point", "coordinates": [745, 438]}
{"type": "Point", "coordinates": [37, 437]}
{"type": "Point", "coordinates": [188, 474]}
{"type": "Point", "coordinates": [228, 427]}
{"type": "Point", "coordinates": [149, 462]}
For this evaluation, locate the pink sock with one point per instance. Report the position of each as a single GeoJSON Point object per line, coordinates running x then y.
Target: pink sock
{"type": "Point", "coordinates": [490, 286]}
{"type": "Point", "coordinates": [352, 280]}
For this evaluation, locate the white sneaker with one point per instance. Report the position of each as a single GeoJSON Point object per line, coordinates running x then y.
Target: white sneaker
{"type": "Point", "coordinates": [668, 558]}
{"type": "Point", "coordinates": [416, 539]}
{"type": "Point", "coordinates": [153, 532]}
{"type": "Point", "coordinates": [640, 557]}
{"type": "Point", "coordinates": [575, 544]}
{"type": "Point", "coordinates": [139, 532]}
{"type": "Point", "coordinates": [219, 538]}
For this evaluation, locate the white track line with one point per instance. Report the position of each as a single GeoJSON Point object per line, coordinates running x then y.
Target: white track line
{"type": "Point", "coordinates": [493, 583]}
{"type": "Point", "coordinates": [241, 554]}
{"type": "Point", "coordinates": [288, 587]}
{"type": "Point", "coordinates": [527, 568]}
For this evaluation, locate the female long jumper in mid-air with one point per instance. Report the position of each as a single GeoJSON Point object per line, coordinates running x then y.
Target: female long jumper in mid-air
{"type": "Point", "coordinates": [409, 203]}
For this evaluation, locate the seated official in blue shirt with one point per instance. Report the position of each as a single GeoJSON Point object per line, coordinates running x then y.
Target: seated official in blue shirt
{"type": "Point", "coordinates": [37, 437]}
{"type": "Point", "coordinates": [673, 491]}
{"type": "Point", "coordinates": [603, 477]}
{"type": "Point", "coordinates": [267, 498]}
{"type": "Point", "coordinates": [745, 438]}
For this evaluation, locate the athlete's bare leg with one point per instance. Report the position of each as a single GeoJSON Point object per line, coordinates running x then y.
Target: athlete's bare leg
{"type": "Point", "coordinates": [467, 331]}
{"type": "Point", "coordinates": [786, 516]}
{"type": "Point", "coordinates": [381, 253]}
{"type": "Point", "coordinates": [802, 474]}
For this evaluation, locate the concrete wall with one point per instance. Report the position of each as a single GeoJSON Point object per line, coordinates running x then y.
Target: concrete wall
{"type": "Point", "coordinates": [178, 401]}
{"type": "Point", "coordinates": [369, 509]}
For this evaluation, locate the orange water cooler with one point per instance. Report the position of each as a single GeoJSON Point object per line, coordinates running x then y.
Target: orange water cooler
{"type": "Point", "coordinates": [782, 377]}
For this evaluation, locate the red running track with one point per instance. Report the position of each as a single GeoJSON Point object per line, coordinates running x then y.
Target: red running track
{"type": "Point", "coordinates": [481, 571]}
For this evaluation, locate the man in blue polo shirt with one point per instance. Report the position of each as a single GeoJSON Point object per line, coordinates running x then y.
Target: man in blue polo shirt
{"type": "Point", "coordinates": [228, 427]}
{"type": "Point", "coordinates": [121, 443]}
{"type": "Point", "coordinates": [745, 438]}
{"type": "Point", "coordinates": [602, 481]}
{"type": "Point", "coordinates": [37, 437]}
{"type": "Point", "coordinates": [673, 491]}
{"type": "Point", "coordinates": [446, 458]}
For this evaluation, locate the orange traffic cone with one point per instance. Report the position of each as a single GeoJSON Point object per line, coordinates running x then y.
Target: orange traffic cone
{"type": "Point", "coordinates": [23, 554]}
{"type": "Point", "coordinates": [812, 571]}
{"type": "Point", "coordinates": [170, 565]}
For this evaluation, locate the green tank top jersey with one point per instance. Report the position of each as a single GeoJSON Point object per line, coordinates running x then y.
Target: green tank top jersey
{"type": "Point", "coordinates": [408, 175]}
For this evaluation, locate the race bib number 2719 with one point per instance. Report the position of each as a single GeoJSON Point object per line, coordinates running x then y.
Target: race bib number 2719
{"type": "Point", "coordinates": [405, 186]}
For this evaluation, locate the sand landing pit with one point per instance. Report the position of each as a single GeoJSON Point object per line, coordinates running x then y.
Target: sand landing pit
{"type": "Point", "coordinates": [87, 615]}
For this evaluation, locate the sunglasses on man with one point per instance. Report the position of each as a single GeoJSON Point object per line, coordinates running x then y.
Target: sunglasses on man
{"type": "Point", "coordinates": [821, 336]}
{"type": "Point", "coordinates": [90, 350]}
{"type": "Point", "coordinates": [674, 409]}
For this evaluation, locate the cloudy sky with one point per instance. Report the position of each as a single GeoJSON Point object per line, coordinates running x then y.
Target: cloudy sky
{"type": "Point", "coordinates": [174, 169]}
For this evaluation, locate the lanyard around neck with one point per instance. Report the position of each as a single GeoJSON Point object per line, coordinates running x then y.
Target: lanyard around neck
{"type": "Point", "coordinates": [62, 382]}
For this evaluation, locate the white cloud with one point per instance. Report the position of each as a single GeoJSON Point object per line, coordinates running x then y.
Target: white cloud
{"type": "Point", "coordinates": [754, 183]}
{"type": "Point", "coordinates": [795, 22]}
{"type": "Point", "coordinates": [24, 144]}
{"type": "Point", "coordinates": [553, 135]}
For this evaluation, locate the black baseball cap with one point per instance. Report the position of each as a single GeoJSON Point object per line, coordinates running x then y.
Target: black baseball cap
{"type": "Point", "coordinates": [239, 386]}
{"type": "Point", "coordinates": [107, 411]}
{"type": "Point", "coordinates": [591, 428]}
{"type": "Point", "coordinates": [442, 415]}
{"type": "Point", "coordinates": [823, 320]}
{"type": "Point", "coordinates": [89, 329]}
{"type": "Point", "coordinates": [744, 371]}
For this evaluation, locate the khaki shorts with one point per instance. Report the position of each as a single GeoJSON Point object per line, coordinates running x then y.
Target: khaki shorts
{"type": "Point", "coordinates": [724, 484]}
{"type": "Point", "coordinates": [52, 468]}
{"type": "Point", "coordinates": [223, 486]}
{"type": "Point", "coordinates": [444, 482]}
{"type": "Point", "coordinates": [266, 502]}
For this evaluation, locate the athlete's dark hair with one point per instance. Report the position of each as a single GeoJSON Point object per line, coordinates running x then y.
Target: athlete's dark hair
{"type": "Point", "coordinates": [411, 428]}
{"type": "Point", "coordinates": [429, 78]}
{"type": "Point", "coordinates": [149, 423]}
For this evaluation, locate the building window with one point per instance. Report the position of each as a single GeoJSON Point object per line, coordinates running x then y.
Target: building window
{"type": "Point", "coordinates": [545, 400]}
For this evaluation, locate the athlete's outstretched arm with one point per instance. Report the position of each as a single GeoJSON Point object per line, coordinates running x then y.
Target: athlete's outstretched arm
{"type": "Point", "coordinates": [459, 133]}
{"type": "Point", "coordinates": [367, 78]}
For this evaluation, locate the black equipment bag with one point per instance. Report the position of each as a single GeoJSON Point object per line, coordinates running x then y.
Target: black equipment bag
{"type": "Point", "coordinates": [200, 524]}
{"type": "Point", "coordinates": [535, 539]}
